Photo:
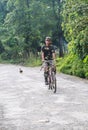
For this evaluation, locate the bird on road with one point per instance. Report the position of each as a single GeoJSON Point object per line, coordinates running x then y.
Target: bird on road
{"type": "Point", "coordinates": [20, 70]}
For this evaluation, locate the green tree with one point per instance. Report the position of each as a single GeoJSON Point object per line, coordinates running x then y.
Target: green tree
{"type": "Point", "coordinates": [75, 25]}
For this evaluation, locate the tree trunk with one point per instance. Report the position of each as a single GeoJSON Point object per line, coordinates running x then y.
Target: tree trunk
{"type": "Point", "coordinates": [60, 33]}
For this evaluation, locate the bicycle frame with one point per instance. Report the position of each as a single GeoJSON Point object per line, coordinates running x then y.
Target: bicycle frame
{"type": "Point", "coordinates": [52, 77]}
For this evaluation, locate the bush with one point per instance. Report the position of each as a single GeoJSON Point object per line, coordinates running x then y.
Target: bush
{"type": "Point", "coordinates": [6, 55]}
{"type": "Point", "coordinates": [73, 65]}
{"type": "Point", "coordinates": [33, 61]}
{"type": "Point", "coordinates": [65, 64]}
{"type": "Point", "coordinates": [85, 61]}
{"type": "Point", "coordinates": [78, 68]}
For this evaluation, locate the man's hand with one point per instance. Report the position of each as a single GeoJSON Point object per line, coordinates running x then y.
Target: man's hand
{"type": "Point", "coordinates": [42, 60]}
{"type": "Point", "coordinates": [54, 61]}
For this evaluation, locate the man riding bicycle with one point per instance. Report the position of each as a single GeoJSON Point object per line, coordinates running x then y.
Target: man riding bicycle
{"type": "Point", "coordinates": [48, 56]}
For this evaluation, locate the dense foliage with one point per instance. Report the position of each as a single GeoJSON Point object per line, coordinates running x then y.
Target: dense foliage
{"type": "Point", "coordinates": [75, 26]}
{"type": "Point", "coordinates": [24, 26]}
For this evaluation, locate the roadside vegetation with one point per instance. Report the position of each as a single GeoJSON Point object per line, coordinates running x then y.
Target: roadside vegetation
{"type": "Point", "coordinates": [75, 27]}
{"type": "Point", "coordinates": [25, 24]}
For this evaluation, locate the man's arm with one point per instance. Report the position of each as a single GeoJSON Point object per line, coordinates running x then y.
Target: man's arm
{"type": "Point", "coordinates": [42, 56]}
{"type": "Point", "coordinates": [54, 56]}
{"type": "Point", "coordinates": [53, 53]}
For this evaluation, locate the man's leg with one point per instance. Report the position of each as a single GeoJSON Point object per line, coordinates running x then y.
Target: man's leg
{"type": "Point", "coordinates": [53, 66]}
{"type": "Point", "coordinates": [46, 74]}
{"type": "Point", "coordinates": [46, 77]}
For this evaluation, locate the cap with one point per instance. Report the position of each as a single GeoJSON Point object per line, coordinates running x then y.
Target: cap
{"type": "Point", "coordinates": [48, 38]}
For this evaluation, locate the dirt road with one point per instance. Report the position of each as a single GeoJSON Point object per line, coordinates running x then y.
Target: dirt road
{"type": "Point", "coordinates": [27, 104]}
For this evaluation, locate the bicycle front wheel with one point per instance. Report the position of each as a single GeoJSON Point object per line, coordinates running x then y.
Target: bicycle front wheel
{"type": "Point", "coordinates": [50, 84]}
{"type": "Point", "coordinates": [54, 84]}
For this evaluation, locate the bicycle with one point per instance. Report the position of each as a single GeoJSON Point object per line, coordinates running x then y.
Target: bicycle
{"type": "Point", "coordinates": [51, 77]}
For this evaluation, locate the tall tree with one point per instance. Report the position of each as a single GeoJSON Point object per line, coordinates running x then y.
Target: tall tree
{"type": "Point", "coordinates": [58, 33]}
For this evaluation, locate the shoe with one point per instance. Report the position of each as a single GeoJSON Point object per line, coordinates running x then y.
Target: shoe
{"type": "Point", "coordinates": [46, 83]}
